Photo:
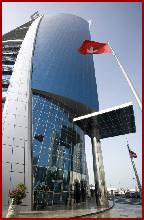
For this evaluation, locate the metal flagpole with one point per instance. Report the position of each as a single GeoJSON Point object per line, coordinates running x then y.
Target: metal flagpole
{"type": "Point", "coordinates": [89, 24]}
{"type": "Point", "coordinates": [127, 78]}
{"type": "Point", "coordinates": [134, 168]}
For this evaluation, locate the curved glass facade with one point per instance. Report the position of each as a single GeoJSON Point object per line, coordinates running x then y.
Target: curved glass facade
{"type": "Point", "coordinates": [58, 67]}
{"type": "Point", "coordinates": [60, 73]}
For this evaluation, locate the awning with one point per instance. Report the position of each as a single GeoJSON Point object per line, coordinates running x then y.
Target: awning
{"type": "Point", "coordinates": [115, 121]}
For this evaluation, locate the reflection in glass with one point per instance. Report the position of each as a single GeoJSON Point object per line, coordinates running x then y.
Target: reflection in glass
{"type": "Point", "coordinates": [61, 148]}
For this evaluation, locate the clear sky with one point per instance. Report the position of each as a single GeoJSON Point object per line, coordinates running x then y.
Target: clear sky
{"type": "Point", "coordinates": [120, 24]}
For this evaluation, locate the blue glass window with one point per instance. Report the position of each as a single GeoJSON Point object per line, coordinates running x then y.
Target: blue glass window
{"type": "Point", "coordinates": [62, 149]}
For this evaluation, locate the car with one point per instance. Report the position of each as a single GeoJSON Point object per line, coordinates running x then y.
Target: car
{"type": "Point", "coordinates": [116, 193]}
{"type": "Point", "coordinates": [127, 195]}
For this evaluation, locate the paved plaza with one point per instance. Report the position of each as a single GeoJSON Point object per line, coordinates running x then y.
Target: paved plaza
{"type": "Point", "coordinates": [76, 210]}
{"type": "Point", "coordinates": [123, 208]}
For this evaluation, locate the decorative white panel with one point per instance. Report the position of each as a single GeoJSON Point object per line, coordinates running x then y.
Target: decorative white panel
{"type": "Point", "coordinates": [17, 120]}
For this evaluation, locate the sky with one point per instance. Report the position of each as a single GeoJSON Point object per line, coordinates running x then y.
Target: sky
{"type": "Point", "coordinates": [121, 25]}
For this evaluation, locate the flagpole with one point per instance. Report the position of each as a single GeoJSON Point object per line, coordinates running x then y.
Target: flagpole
{"type": "Point", "coordinates": [127, 78]}
{"type": "Point", "coordinates": [89, 24]}
{"type": "Point", "coordinates": [135, 171]}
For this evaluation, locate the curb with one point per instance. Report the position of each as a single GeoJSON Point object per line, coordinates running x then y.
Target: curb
{"type": "Point", "coordinates": [92, 213]}
{"type": "Point", "coordinates": [76, 216]}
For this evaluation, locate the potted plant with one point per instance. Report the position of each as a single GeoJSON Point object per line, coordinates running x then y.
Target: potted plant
{"type": "Point", "coordinates": [16, 195]}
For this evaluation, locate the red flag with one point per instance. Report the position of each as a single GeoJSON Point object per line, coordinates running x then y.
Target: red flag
{"type": "Point", "coordinates": [92, 47]}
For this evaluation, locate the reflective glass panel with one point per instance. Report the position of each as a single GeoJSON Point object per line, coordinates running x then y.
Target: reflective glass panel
{"type": "Point", "coordinates": [58, 145]}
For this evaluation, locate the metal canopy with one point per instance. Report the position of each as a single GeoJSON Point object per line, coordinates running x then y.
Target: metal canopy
{"type": "Point", "coordinates": [115, 121]}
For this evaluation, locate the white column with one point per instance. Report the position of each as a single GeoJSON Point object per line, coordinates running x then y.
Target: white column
{"type": "Point", "coordinates": [98, 167]}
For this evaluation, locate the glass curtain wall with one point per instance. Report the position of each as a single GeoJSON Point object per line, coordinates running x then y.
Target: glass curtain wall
{"type": "Point", "coordinates": [58, 146]}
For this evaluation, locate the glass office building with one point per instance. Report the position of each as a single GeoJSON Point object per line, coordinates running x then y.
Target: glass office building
{"type": "Point", "coordinates": [51, 84]}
